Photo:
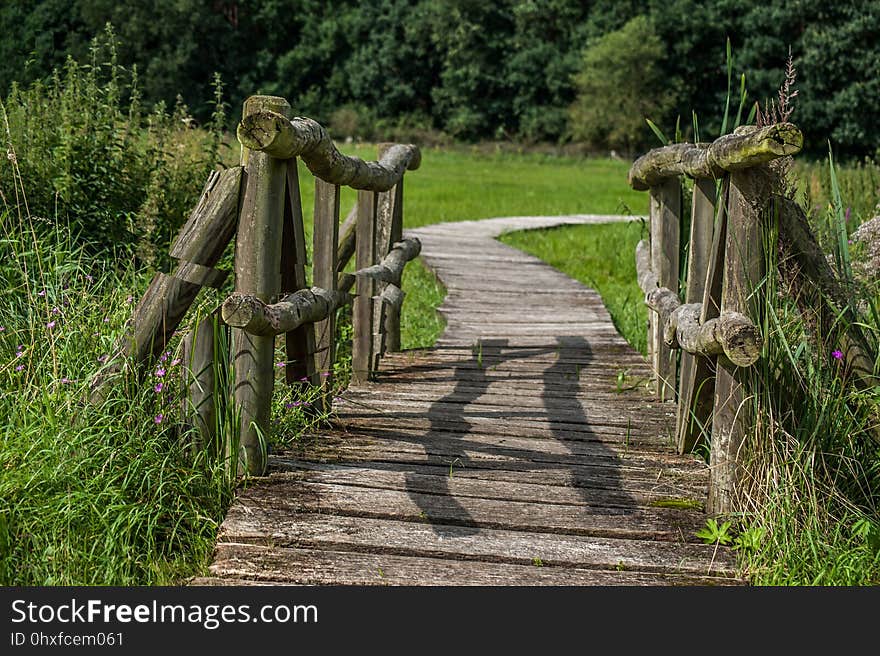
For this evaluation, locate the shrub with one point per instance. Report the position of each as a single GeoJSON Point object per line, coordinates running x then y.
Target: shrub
{"type": "Point", "coordinates": [82, 152]}
{"type": "Point", "coordinates": [619, 85]}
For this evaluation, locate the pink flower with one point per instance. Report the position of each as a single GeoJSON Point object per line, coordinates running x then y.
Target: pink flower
{"type": "Point", "coordinates": [304, 379]}
{"type": "Point", "coordinates": [279, 364]}
{"type": "Point", "coordinates": [838, 354]}
{"type": "Point", "coordinates": [159, 387]}
{"type": "Point", "coordinates": [50, 325]}
{"type": "Point", "coordinates": [106, 319]}
{"type": "Point", "coordinates": [102, 358]}
{"type": "Point", "coordinates": [42, 292]}
{"type": "Point", "coordinates": [2, 328]}
{"type": "Point", "coordinates": [160, 372]}
{"type": "Point", "coordinates": [19, 367]}
{"type": "Point", "coordinates": [129, 299]}
{"type": "Point", "coordinates": [325, 374]}
{"type": "Point", "coordinates": [158, 418]}
{"type": "Point", "coordinates": [65, 381]}
{"type": "Point", "coordinates": [175, 362]}
{"type": "Point", "coordinates": [55, 310]}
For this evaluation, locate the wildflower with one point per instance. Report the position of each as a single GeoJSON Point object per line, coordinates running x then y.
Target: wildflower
{"type": "Point", "coordinates": [19, 367]}
{"type": "Point", "coordinates": [103, 358]}
{"type": "Point", "coordinates": [42, 292]}
{"type": "Point", "coordinates": [175, 362]}
{"type": "Point", "coordinates": [89, 278]}
{"type": "Point", "coordinates": [160, 372]}
{"type": "Point", "coordinates": [106, 319]}
{"type": "Point", "coordinates": [158, 388]}
{"type": "Point", "coordinates": [279, 364]}
{"type": "Point", "coordinates": [65, 381]}
{"type": "Point", "coordinates": [2, 329]}
{"type": "Point", "coordinates": [158, 418]}
{"type": "Point", "coordinates": [164, 356]}
{"type": "Point", "coordinates": [129, 299]}
{"type": "Point", "coordinates": [50, 325]}
{"type": "Point", "coordinates": [837, 353]}
{"type": "Point", "coordinates": [325, 374]}
{"type": "Point", "coordinates": [304, 379]}
{"type": "Point", "coordinates": [55, 310]}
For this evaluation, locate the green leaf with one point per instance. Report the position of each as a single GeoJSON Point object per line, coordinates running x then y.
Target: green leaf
{"type": "Point", "coordinates": [658, 132]}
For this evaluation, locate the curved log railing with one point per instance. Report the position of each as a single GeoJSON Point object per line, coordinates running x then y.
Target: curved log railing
{"type": "Point", "coordinates": [714, 322]}
{"type": "Point", "coordinates": [259, 203]}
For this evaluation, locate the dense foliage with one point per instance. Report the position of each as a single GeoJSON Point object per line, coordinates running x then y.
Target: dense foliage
{"type": "Point", "coordinates": [471, 69]}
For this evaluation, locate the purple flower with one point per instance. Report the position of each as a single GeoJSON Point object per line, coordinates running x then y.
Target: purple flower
{"type": "Point", "coordinates": [42, 292]}
{"type": "Point", "coordinates": [164, 356]}
{"type": "Point", "coordinates": [55, 310]}
{"type": "Point", "coordinates": [175, 362]}
{"type": "Point", "coordinates": [2, 328]}
{"type": "Point", "coordinates": [103, 358]}
{"type": "Point", "coordinates": [106, 319]}
{"type": "Point", "coordinates": [129, 299]}
{"type": "Point", "coordinates": [279, 364]}
{"type": "Point", "coordinates": [65, 381]}
{"type": "Point", "coordinates": [158, 418]}
{"type": "Point", "coordinates": [838, 354]}
{"type": "Point", "coordinates": [304, 379]}
{"type": "Point", "coordinates": [325, 374]}
{"type": "Point", "coordinates": [89, 278]}
{"type": "Point", "coordinates": [50, 325]}
{"type": "Point", "coordinates": [159, 387]}
{"type": "Point", "coordinates": [19, 367]}
{"type": "Point", "coordinates": [160, 372]}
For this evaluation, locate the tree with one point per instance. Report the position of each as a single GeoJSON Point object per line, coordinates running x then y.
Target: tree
{"type": "Point", "coordinates": [621, 82]}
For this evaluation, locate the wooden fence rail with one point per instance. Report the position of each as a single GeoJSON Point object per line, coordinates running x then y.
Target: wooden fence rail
{"type": "Point", "coordinates": [715, 326]}
{"type": "Point", "coordinates": [259, 203]}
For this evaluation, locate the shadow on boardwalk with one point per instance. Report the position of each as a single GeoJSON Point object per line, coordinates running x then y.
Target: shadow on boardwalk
{"type": "Point", "coordinates": [561, 408]}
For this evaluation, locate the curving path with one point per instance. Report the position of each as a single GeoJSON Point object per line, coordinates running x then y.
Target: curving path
{"type": "Point", "coordinates": [523, 449]}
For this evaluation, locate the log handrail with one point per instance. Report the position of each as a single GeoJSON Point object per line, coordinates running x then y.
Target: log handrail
{"type": "Point", "coordinates": [745, 148]}
{"type": "Point", "coordinates": [283, 138]}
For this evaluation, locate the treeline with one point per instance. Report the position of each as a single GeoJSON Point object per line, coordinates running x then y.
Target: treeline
{"type": "Point", "coordinates": [505, 69]}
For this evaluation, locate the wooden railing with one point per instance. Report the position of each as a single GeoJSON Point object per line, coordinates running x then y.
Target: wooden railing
{"type": "Point", "coordinates": [259, 202]}
{"type": "Point", "coordinates": [714, 322]}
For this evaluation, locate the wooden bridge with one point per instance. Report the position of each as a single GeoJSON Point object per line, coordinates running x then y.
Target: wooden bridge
{"type": "Point", "coordinates": [511, 453]}
{"type": "Point", "coordinates": [531, 445]}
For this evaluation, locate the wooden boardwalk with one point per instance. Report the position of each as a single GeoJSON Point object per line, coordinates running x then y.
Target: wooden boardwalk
{"type": "Point", "coordinates": [523, 449]}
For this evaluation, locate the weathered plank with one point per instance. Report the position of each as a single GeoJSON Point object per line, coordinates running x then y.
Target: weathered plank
{"type": "Point", "coordinates": [268, 526]}
{"type": "Point", "coordinates": [246, 564]}
{"type": "Point", "coordinates": [665, 219]}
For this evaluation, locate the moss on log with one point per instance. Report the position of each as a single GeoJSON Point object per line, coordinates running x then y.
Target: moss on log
{"type": "Point", "coordinates": [743, 149]}
{"type": "Point", "coordinates": [732, 334]}
{"type": "Point", "coordinates": [283, 138]}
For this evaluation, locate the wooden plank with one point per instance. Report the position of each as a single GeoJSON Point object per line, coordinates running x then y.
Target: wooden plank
{"type": "Point", "coordinates": [490, 447]}
{"type": "Point", "coordinates": [733, 416]}
{"type": "Point", "coordinates": [324, 271]}
{"type": "Point", "coordinates": [247, 564]}
{"type": "Point", "coordinates": [665, 220]}
{"type": "Point", "coordinates": [270, 527]}
{"type": "Point", "coordinates": [696, 379]}
{"type": "Point", "coordinates": [258, 272]}
{"type": "Point", "coordinates": [669, 482]}
{"type": "Point", "coordinates": [299, 344]}
{"type": "Point", "coordinates": [608, 495]}
{"type": "Point", "coordinates": [362, 357]}
{"type": "Point", "coordinates": [606, 520]}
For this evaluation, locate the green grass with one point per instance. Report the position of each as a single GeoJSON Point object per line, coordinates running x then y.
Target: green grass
{"type": "Point", "coordinates": [603, 258]}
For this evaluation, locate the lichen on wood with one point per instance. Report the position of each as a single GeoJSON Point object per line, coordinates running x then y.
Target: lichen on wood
{"type": "Point", "coordinates": [743, 149]}
{"type": "Point", "coordinates": [283, 138]}
{"type": "Point", "coordinates": [252, 315]}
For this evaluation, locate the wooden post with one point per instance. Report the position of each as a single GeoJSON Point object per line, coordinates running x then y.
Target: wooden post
{"type": "Point", "coordinates": [696, 386]}
{"type": "Point", "coordinates": [743, 272]}
{"type": "Point", "coordinates": [362, 353]}
{"type": "Point", "coordinates": [299, 343]}
{"type": "Point", "coordinates": [392, 312]}
{"type": "Point", "coordinates": [258, 272]}
{"type": "Point", "coordinates": [199, 376]}
{"type": "Point", "coordinates": [324, 275]}
{"type": "Point", "coordinates": [665, 217]}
